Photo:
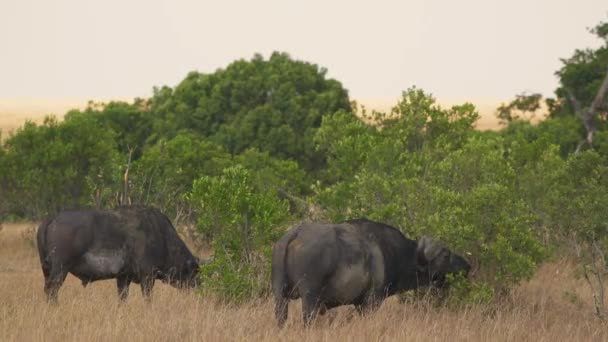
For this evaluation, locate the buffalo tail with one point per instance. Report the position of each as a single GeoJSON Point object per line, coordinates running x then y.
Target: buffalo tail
{"type": "Point", "coordinates": [280, 282]}
{"type": "Point", "coordinates": [41, 244]}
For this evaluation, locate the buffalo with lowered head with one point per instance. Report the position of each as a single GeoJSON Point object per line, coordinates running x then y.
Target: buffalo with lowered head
{"type": "Point", "coordinates": [131, 244]}
{"type": "Point", "coordinates": [358, 262]}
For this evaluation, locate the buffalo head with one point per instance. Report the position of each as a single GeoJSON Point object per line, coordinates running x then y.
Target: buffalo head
{"type": "Point", "coordinates": [436, 262]}
{"type": "Point", "coordinates": [185, 276]}
{"type": "Point", "coordinates": [190, 272]}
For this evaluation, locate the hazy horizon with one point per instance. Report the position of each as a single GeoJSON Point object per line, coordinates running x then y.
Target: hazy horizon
{"type": "Point", "coordinates": [15, 112]}
{"type": "Point", "coordinates": [58, 55]}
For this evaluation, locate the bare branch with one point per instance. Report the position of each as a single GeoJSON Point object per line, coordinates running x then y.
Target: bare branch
{"type": "Point", "coordinates": [476, 266]}
{"type": "Point", "coordinates": [125, 198]}
{"type": "Point", "coordinates": [574, 102]}
{"type": "Point", "coordinates": [588, 116]}
{"type": "Point", "coordinates": [593, 272]}
{"type": "Point", "coordinates": [599, 97]}
{"type": "Point", "coordinates": [598, 257]}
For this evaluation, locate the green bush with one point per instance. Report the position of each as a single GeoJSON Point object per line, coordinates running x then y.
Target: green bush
{"type": "Point", "coordinates": [57, 165]}
{"type": "Point", "coordinates": [242, 223]}
{"type": "Point", "coordinates": [231, 148]}
{"type": "Point", "coordinates": [579, 198]}
{"type": "Point", "coordinates": [274, 105]}
{"type": "Point", "coordinates": [427, 172]}
{"type": "Point", "coordinates": [166, 170]}
{"type": "Point", "coordinates": [463, 292]}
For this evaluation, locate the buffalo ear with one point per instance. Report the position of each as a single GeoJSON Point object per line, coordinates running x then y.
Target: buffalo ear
{"type": "Point", "coordinates": [427, 251]}
{"type": "Point", "coordinates": [421, 260]}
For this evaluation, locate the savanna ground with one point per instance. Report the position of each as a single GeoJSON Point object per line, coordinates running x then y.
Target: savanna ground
{"type": "Point", "coordinates": [553, 306]}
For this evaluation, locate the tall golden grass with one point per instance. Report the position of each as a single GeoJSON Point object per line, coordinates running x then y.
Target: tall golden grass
{"type": "Point", "coordinates": [554, 306]}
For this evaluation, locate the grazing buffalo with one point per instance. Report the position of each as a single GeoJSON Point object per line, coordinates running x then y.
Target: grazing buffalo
{"type": "Point", "coordinates": [132, 244]}
{"type": "Point", "coordinates": [358, 262]}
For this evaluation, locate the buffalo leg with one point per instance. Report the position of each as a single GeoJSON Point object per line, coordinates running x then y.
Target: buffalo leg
{"type": "Point", "coordinates": [370, 304]}
{"type": "Point", "coordinates": [47, 275]}
{"type": "Point", "coordinates": [310, 307]}
{"type": "Point", "coordinates": [281, 310]}
{"type": "Point", "coordinates": [146, 288]}
{"type": "Point", "coordinates": [122, 283]}
{"type": "Point", "coordinates": [53, 282]}
{"type": "Point", "coordinates": [46, 272]}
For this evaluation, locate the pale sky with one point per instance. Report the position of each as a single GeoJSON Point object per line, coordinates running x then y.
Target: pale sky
{"type": "Point", "coordinates": [466, 49]}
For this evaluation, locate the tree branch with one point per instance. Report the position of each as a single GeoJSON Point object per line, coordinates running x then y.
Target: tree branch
{"type": "Point", "coordinates": [588, 116]}
{"type": "Point", "coordinates": [125, 197]}
{"type": "Point", "coordinates": [598, 257]}
{"type": "Point", "coordinates": [599, 97]}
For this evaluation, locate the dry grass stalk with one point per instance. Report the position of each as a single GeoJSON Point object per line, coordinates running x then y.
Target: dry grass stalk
{"type": "Point", "coordinates": [554, 306]}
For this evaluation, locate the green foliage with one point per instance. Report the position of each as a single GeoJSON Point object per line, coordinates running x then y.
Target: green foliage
{"type": "Point", "coordinates": [345, 140]}
{"type": "Point", "coordinates": [581, 76]}
{"type": "Point", "coordinates": [579, 197]}
{"type": "Point", "coordinates": [166, 170]}
{"type": "Point", "coordinates": [486, 216]}
{"type": "Point", "coordinates": [242, 223]}
{"type": "Point", "coordinates": [564, 132]}
{"type": "Point", "coordinates": [524, 106]}
{"type": "Point", "coordinates": [231, 282]}
{"type": "Point", "coordinates": [269, 173]}
{"type": "Point", "coordinates": [53, 166]}
{"type": "Point", "coordinates": [273, 105]}
{"type": "Point", "coordinates": [463, 292]}
{"type": "Point", "coordinates": [426, 171]}
{"type": "Point", "coordinates": [239, 149]}
{"type": "Point", "coordinates": [4, 205]}
{"type": "Point", "coordinates": [131, 123]}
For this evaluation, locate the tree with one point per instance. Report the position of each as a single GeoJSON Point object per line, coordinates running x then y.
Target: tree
{"type": "Point", "coordinates": [425, 169]}
{"type": "Point", "coordinates": [131, 122]}
{"type": "Point", "coordinates": [57, 165]}
{"type": "Point", "coordinates": [523, 107]}
{"type": "Point", "coordinates": [3, 182]}
{"type": "Point", "coordinates": [243, 223]}
{"type": "Point", "coordinates": [584, 86]}
{"type": "Point", "coordinates": [283, 177]}
{"type": "Point", "coordinates": [579, 198]}
{"type": "Point", "coordinates": [166, 170]}
{"type": "Point", "coordinates": [274, 105]}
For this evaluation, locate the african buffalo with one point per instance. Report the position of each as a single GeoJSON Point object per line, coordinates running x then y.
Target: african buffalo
{"type": "Point", "coordinates": [358, 262]}
{"type": "Point", "coordinates": [131, 243]}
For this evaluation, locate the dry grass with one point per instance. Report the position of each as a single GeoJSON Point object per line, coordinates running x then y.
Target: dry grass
{"type": "Point", "coordinates": [553, 306]}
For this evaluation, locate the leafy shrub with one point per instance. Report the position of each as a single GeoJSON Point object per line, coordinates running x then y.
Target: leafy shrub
{"type": "Point", "coordinates": [427, 172]}
{"type": "Point", "coordinates": [166, 170]}
{"type": "Point", "coordinates": [52, 166]}
{"type": "Point", "coordinates": [463, 292]}
{"type": "Point", "coordinates": [274, 105]}
{"type": "Point", "coordinates": [243, 223]}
